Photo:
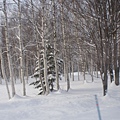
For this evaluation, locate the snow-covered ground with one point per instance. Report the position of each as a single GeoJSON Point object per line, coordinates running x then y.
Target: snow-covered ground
{"type": "Point", "coordinates": [77, 104]}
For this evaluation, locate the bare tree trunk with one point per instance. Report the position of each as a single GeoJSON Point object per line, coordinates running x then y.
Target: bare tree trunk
{"type": "Point", "coordinates": [106, 36]}
{"type": "Point", "coordinates": [116, 68]}
{"type": "Point", "coordinates": [119, 55]}
{"type": "Point", "coordinates": [27, 75]}
{"type": "Point", "coordinates": [78, 71]}
{"type": "Point", "coordinates": [55, 48]}
{"type": "Point", "coordinates": [0, 80]}
{"type": "Point", "coordinates": [72, 71]}
{"type": "Point", "coordinates": [97, 71]}
{"type": "Point", "coordinates": [84, 70]}
{"type": "Point", "coordinates": [105, 78]}
{"type": "Point", "coordinates": [92, 65]}
{"type": "Point", "coordinates": [3, 73]}
{"type": "Point", "coordinates": [8, 50]}
{"type": "Point", "coordinates": [114, 19]}
{"type": "Point", "coordinates": [20, 74]}
{"type": "Point", "coordinates": [0, 74]}
{"type": "Point", "coordinates": [44, 50]}
{"type": "Point", "coordinates": [14, 70]}
{"type": "Point", "coordinates": [68, 81]}
{"type": "Point", "coordinates": [111, 64]}
{"type": "Point", "coordinates": [21, 49]}
{"type": "Point", "coordinates": [37, 41]}
{"type": "Point", "coordinates": [63, 37]}
{"type": "Point", "coordinates": [64, 44]}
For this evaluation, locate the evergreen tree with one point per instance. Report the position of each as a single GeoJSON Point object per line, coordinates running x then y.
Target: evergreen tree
{"type": "Point", "coordinates": [39, 70]}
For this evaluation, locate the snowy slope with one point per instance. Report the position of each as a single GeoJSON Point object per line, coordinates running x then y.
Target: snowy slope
{"type": "Point", "coordinates": [77, 104]}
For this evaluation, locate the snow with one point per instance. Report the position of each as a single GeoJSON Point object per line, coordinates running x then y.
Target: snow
{"type": "Point", "coordinates": [77, 104]}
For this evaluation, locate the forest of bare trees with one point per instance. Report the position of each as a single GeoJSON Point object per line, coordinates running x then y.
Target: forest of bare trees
{"type": "Point", "coordinates": [85, 34]}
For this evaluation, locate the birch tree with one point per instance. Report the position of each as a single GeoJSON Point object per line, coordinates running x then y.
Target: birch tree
{"type": "Point", "coordinates": [8, 47]}
{"type": "Point", "coordinates": [43, 26]}
{"type": "Point", "coordinates": [21, 48]}
{"type": "Point", "coordinates": [38, 44]}
{"type": "Point", "coordinates": [3, 70]}
{"type": "Point", "coordinates": [55, 48]}
{"type": "Point", "coordinates": [115, 25]}
{"type": "Point", "coordinates": [64, 45]}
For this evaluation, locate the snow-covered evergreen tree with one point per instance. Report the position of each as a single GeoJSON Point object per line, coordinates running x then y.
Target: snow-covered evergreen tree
{"type": "Point", "coordinates": [39, 70]}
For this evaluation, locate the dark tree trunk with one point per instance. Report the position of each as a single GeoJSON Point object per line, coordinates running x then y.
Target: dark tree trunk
{"type": "Point", "coordinates": [105, 80]}
{"type": "Point", "coordinates": [110, 60]}
{"type": "Point", "coordinates": [111, 75]}
{"type": "Point", "coordinates": [117, 75]}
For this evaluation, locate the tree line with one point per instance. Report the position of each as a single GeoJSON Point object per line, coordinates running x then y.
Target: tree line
{"type": "Point", "coordinates": [84, 37]}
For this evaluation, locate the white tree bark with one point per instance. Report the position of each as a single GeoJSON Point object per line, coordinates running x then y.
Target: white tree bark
{"type": "Point", "coordinates": [55, 48]}
{"type": "Point", "coordinates": [21, 49]}
{"type": "Point", "coordinates": [37, 41]}
{"type": "Point", "coordinates": [64, 44]}
{"type": "Point", "coordinates": [79, 51]}
{"type": "Point", "coordinates": [44, 50]}
{"type": "Point", "coordinates": [3, 73]}
{"type": "Point", "coordinates": [8, 49]}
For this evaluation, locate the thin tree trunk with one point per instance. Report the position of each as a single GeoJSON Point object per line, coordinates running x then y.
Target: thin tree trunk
{"type": "Point", "coordinates": [21, 49]}
{"type": "Point", "coordinates": [70, 68]}
{"type": "Point", "coordinates": [106, 36]}
{"type": "Point", "coordinates": [20, 74]}
{"type": "Point", "coordinates": [63, 37]}
{"type": "Point", "coordinates": [92, 66]}
{"type": "Point", "coordinates": [66, 75]}
{"type": "Point", "coordinates": [55, 48]}
{"type": "Point", "coordinates": [116, 68]}
{"type": "Point", "coordinates": [44, 50]}
{"type": "Point", "coordinates": [110, 44]}
{"type": "Point", "coordinates": [3, 73]}
{"type": "Point", "coordinates": [84, 70]}
{"type": "Point", "coordinates": [15, 72]}
{"type": "Point", "coordinates": [0, 75]}
{"type": "Point", "coordinates": [105, 82]}
{"type": "Point", "coordinates": [110, 65]}
{"type": "Point", "coordinates": [68, 80]}
{"type": "Point", "coordinates": [37, 41]}
{"type": "Point", "coordinates": [97, 71]}
{"type": "Point", "coordinates": [78, 71]}
{"type": "Point", "coordinates": [8, 50]}
{"type": "Point", "coordinates": [0, 80]}
{"type": "Point", "coordinates": [27, 75]}
{"type": "Point", "coordinates": [72, 71]}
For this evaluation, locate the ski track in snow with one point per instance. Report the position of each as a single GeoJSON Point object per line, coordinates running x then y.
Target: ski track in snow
{"type": "Point", "coordinates": [77, 104]}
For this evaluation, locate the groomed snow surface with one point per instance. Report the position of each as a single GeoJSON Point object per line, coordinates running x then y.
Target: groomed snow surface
{"type": "Point", "coordinates": [76, 104]}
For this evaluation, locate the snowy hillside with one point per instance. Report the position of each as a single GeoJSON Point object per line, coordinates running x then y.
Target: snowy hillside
{"type": "Point", "coordinates": [77, 104]}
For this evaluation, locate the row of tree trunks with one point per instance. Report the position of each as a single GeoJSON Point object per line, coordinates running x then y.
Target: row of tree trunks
{"type": "Point", "coordinates": [89, 35]}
